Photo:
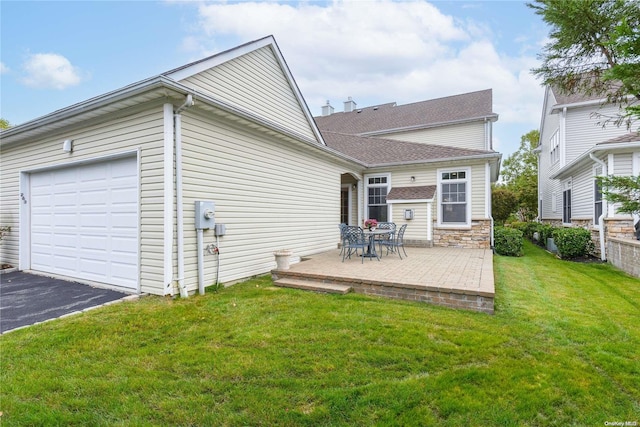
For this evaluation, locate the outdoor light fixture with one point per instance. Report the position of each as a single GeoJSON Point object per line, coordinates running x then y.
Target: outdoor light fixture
{"type": "Point", "coordinates": [67, 145]}
{"type": "Point", "coordinates": [413, 179]}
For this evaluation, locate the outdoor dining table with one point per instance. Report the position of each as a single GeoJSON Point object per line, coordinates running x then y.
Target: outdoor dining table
{"type": "Point", "coordinates": [371, 249]}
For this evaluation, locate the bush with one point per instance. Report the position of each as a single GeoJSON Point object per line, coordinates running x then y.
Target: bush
{"type": "Point", "coordinates": [573, 242]}
{"type": "Point", "coordinates": [507, 241]}
{"type": "Point", "coordinates": [545, 231]}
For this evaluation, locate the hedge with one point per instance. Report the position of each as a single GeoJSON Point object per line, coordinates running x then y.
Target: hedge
{"type": "Point", "coordinates": [573, 242]}
{"type": "Point", "coordinates": [508, 241]}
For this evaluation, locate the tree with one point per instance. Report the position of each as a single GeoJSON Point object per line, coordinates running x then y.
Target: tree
{"type": "Point", "coordinates": [504, 202]}
{"type": "Point", "coordinates": [624, 190]}
{"type": "Point", "coordinates": [4, 124]}
{"type": "Point", "coordinates": [520, 175]}
{"type": "Point", "coordinates": [594, 49]}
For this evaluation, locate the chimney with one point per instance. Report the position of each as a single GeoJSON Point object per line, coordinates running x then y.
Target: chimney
{"type": "Point", "coordinates": [349, 105]}
{"type": "Point", "coordinates": [327, 110]}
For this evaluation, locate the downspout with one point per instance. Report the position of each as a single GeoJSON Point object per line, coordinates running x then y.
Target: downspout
{"type": "Point", "coordinates": [603, 255]}
{"type": "Point", "coordinates": [179, 202]}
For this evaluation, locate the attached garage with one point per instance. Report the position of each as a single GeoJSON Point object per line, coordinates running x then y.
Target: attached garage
{"type": "Point", "coordinates": [84, 222]}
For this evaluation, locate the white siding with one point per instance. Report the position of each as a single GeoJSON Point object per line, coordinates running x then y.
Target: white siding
{"type": "Point", "coordinates": [623, 164]}
{"type": "Point", "coordinates": [547, 186]}
{"type": "Point", "coordinates": [270, 195]}
{"type": "Point", "coordinates": [256, 83]}
{"type": "Point", "coordinates": [582, 194]}
{"type": "Point", "coordinates": [464, 135]}
{"type": "Point", "coordinates": [583, 130]}
{"type": "Point", "coordinates": [137, 129]}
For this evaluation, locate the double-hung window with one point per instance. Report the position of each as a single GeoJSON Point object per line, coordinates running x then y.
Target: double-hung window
{"type": "Point", "coordinates": [554, 147]}
{"type": "Point", "coordinates": [597, 196]}
{"type": "Point", "coordinates": [566, 202]}
{"type": "Point", "coordinates": [377, 190]}
{"type": "Point", "coordinates": [454, 201]}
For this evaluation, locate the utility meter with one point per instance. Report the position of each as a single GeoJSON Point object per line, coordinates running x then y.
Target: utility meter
{"type": "Point", "coordinates": [205, 214]}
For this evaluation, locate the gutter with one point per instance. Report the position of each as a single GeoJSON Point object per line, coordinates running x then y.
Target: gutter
{"type": "Point", "coordinates": [603, 255]}
{"type": "Point", "coordinates": [492, 117]}
{"type": "Point", "coordinates": [593, 150]}
{"type": "Point", "coordinates": [443, 159]}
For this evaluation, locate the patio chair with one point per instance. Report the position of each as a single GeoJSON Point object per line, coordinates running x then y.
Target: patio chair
{"type": "Point", "coordinates": [397, 242]}
{"type": "Point", "coordinates": [391, 226]}
{"type": "Point", "coordinates": [354, 239]}
{"type": "Point", "coordinates": [343, 228]}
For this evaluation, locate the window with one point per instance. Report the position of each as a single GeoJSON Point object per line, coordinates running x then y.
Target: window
{"type": "Point", "coordinates": [597, 195]}
{"type": "Point", "coordinates": [597, 202]}
{"type": "Point", "coordinates": [377, 190]}
{"type": "Point", "coordinates": [554, 147]}
{"type": "Point", "coordinates": [454, 204]}
{"type": "Point", "coordinates": [566, 203]}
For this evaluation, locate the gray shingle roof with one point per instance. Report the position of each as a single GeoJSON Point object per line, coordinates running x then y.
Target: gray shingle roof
{"type": "Point", "coordinates": [630, 137]}
{"type": "Point", "coordinates": [421, 192]}
{"type": "Point", "coordinates": [385, 117]}
{"type": "Point", "coordinates": [380, 151]}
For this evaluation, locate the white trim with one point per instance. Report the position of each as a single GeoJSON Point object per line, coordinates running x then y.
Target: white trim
{"type": "Point", "coordinates": [636, 164]}
{"type": "Point", "coordinates": [349, 204]}
{"type": "Point", "coordinates": [487, 191]}
{"type": "Point", "coordinates": [593, 194]}
{"type": "Point", "coordinates": [554, 201]}
{"type": "Point", "coordinates": [24, 244]}
{"type": "Point", "coordinates": [365, 195]}
{"type": "Point", "coordinates": [611, 210]}
{"type": "Point", "coordinates": [468, 197]}
{"type": "Point", "coordinates": [390, 202]}
{"type": "Point", "coordinates": [563, 138]}
{"type": "Point", "coordinates": [168, 198]}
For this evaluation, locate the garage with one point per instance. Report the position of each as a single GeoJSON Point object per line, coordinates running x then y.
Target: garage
{"type": "Point", "coordinates": [84, 222]}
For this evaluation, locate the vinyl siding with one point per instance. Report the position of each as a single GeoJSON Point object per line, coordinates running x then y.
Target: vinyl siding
{"type": "Point", "coordinates": [270, 195]}
{"type": "Point", "coordinates": [255, 82]}
{"type": "Point", "coordinates": [464, 135]}
{"type": "Point", "coordinates": [582, 194]}
{"type": "Point", "coordinates": [583, 130]}
{"type": "Point", "coordinates": [139, 129]}
{"type": "Point", "coordinates": [623, 164]}
{"type": "Point", "coordinates": [551, 124]}
{"type": "Point", "coordinates": [427, 175]}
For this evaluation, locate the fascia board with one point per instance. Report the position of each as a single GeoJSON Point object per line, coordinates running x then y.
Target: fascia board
{"type": "Point", "coordinates": [584, 158]}
{"type": "Point", "coordinates": [407, 201]}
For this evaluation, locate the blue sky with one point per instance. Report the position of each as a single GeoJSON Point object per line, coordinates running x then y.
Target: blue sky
{"type": "Point", "coordinates": [54, 54]}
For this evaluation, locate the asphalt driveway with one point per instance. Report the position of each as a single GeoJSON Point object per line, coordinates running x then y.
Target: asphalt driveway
{"type": "Point", "coordinates": [26, 299]}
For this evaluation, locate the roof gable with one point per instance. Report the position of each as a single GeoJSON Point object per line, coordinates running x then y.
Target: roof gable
{"type": "Point", "coordinates": [390, 117]}
{"type": "Point", "coordinates": [253, 77]}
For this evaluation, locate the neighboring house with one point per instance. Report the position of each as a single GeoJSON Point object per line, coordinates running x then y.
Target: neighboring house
{"type": "Point", "coordinates": [428, 164]}
{"type": "Point", "coordinates": [105, 191]}
{"type": "Point", "coordinates": [574, 149]}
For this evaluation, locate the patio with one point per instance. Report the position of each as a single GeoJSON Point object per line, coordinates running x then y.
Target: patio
{"type": "Point", "coordinates": [452, 277]}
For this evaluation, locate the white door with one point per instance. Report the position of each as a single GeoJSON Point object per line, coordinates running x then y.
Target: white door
{"type": "Point", "coordinates": [84, 222]}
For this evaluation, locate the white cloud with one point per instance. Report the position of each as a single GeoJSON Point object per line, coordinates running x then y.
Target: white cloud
{"type": "Point", "coordinates": [381, 52]}
{"type": "Point", "coordinates": [50, 71]}
{"type": "Point", "coordinates": [3, 68]}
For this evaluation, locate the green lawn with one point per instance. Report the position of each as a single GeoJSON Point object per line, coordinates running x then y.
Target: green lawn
{"type": "Point", "coordinates": [562, 349]}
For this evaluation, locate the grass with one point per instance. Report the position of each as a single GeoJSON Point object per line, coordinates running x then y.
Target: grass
{"type": "Point", "coordinates": [562, 349]}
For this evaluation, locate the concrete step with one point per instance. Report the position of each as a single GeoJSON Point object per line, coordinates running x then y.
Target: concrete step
{"type": "Point", "coordinates": [309, 285]}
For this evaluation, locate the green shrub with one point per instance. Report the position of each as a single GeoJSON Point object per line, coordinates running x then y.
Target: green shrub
{"type": "Point", "coordinates": [545, 231]}
{"type": "Point", "coordinates": [508, 241]}
{"type": "Point", "coordinates": [572, 242]}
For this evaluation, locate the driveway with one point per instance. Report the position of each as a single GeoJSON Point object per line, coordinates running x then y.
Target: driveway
{"type": "Point", "coordinates": [26, 299]}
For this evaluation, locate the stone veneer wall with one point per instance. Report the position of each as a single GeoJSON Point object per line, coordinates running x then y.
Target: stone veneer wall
{"type": "Point", "coordinates": [478, 237]}
{"type": "Point", "coordinates": [595, 232]}
{"type": "Point", "coordinates": [624, 254]}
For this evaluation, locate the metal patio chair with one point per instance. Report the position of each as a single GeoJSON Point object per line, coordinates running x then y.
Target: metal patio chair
{"type": "Point", "coordinates": [388, 237]}
{"type": "Point", "coordinates": [355, 239]}
{"type": "Point", "coordinates": [397, 242]}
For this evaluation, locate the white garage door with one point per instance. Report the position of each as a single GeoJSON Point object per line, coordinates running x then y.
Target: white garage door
{"type": "Point", "coordinates": [84, 222]}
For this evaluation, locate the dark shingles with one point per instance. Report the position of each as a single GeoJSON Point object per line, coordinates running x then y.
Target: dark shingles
{"type": "Point", "coordinates": [386, 117]}
{"type": "Point", "coordinates": [421, 192]}
{"type": "Point", "coordinates": [376, 151]}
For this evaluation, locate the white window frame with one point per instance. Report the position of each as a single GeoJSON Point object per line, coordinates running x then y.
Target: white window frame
{"type": "Point", "coordinates": [554, 147]}
{"type": "Point", "coordinates": [567, 186]}
{"type": "Point", "coordinates": [597, 171]}
{"type": "Point", "coordinates": [467, 181]}
{"type": "Point", "coordinates": [366, 193]}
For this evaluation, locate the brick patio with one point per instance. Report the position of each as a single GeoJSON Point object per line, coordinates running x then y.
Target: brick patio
{"type": "Point", "coordinates": [452, 277]}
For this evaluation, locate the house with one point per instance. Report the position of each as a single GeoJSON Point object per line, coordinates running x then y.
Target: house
{"type": "Point", "coordinates": [196, 176]}
{"type": "Point", "coordinates": [428, 164]}
{"type": "Point", "coordinates": [574, 149]}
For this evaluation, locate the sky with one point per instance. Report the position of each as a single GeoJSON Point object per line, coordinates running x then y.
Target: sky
{"type": "Point", "coordinates": [56, 53]}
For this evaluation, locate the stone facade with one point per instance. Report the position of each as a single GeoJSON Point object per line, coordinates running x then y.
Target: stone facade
{"type": "Point", "coordinates": [478, 237]}
{"type": "Point", "coordinates": [619, 228]}
{"type": "Point", "coordinates": [624, 254]}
